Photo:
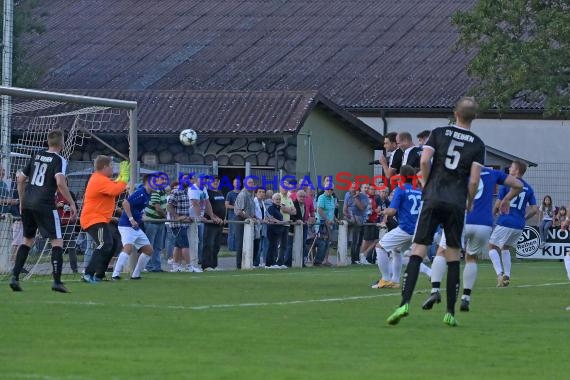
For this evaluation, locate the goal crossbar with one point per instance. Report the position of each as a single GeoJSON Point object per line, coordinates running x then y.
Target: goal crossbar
{"type": "Point", "coordinates": [131, 106]}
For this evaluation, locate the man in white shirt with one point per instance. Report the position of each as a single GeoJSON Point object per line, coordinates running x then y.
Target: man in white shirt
{"type": "Point", "coordinates": [195, 195]}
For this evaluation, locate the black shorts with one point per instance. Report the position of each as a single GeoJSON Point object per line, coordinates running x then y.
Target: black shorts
{"type": "Point", "coordinates": [370, 233]}
{"type": "Point", "coordinates": [451, 218]}
{"type": "Point", "coordinates": [45, 220]}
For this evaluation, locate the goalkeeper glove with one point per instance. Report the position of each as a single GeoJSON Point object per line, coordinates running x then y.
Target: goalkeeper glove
{"type": "Point", "coordinates": [124, 172]}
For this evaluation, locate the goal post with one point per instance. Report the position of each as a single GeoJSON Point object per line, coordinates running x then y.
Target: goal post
{"type": "Point", "coordinates": [87, 123]}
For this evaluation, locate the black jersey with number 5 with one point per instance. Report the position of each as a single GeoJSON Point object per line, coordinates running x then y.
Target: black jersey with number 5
{"type": "Point", "coordinates": [455, 150]}
{"type": "Point", "coordinates": [42, 186]}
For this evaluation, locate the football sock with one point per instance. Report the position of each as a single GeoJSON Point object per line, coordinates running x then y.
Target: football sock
{"type": "Point", "coordinates": [469, 276]}
{"type": "Point", "coordinates": [466, 294]}
{"type": "Point", "coordinates": [425, 270]}
{"type": "Point", "coordinates": [56, 263]}
{"type": "Point", "coordinates": [496, 260]}
{"type": "Point", "coordinates": [383, 263]}
{"type": "Point", "coordinates": [438, 268]}
{"type": "Point", "coordinates": [567, 265]}
{"type": "Point", "coordinates": [396, 267]}
{"type": "Point", "coordinates": [21, 257]}
{"type": "Point", "coordinates": [120, 264]}
{"type": "Point", "coordinates": [452, 285]}
{"type": "Point", "coordinates": [506, 255]}
{"type": "Point", "coordinates": [410, 278]}
{"type": "Point", "coordinates": [141, 263]}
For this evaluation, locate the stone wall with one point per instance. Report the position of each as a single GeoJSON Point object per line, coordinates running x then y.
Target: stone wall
{"type": "Point", "coordinates": [227, 151]}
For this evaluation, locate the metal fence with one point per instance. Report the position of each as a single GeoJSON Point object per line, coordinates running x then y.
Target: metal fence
{"type": "Point", "coordinates": [552, 178]}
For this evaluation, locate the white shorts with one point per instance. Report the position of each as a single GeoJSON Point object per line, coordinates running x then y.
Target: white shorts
{"type": "Point", "coordinates": [505, 236]}
{"type": "Point", "coordinates": [396, 240]}
{"type": "Point", "coordinates": [474, 240]}
{"type": "Point", "coordinates": [17, 233]}
{"type": "Point", "coordinates": [135, 237]}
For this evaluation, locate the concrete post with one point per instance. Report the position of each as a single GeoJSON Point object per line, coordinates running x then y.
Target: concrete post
{"type": "Point", "coordinates": [247, 251]}
{"type": "Point", "coordinates": [342, 243]}
{"type": "Point", "coordinates": [298, 246]}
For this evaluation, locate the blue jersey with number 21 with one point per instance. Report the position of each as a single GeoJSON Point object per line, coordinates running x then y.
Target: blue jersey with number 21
{"type": "Point", "coordinates": [407, 201]}
{"type": "Point", "coordinates": [515, 218]}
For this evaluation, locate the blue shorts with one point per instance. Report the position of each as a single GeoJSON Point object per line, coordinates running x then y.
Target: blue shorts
{"type": "Point", "coordinates": [180, 237]}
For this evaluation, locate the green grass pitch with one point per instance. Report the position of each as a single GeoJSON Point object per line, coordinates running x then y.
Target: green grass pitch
{"type": "Point", "coordinates": [315, 323]}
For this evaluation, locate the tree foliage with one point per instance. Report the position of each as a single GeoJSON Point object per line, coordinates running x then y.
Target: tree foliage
{"type": "Point", "coordinates": [522, 52]}
{"type": "Point", "coordinates": [26, 22]}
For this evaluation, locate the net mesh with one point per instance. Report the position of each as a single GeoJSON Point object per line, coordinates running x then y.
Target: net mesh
{"type": "Point", "coordinates": [30, 123]}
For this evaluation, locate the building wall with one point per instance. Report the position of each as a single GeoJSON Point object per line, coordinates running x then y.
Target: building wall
{"type": "Point", "coordinates": [545, 142]}
{"type": "Point", "coordinates": [333, 148]}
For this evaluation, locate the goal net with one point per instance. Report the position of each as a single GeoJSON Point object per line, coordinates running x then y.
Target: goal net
{"type": "Point", "coordinates": [89, 128]}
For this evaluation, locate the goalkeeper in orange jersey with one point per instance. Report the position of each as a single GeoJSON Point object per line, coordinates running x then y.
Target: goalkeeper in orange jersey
{"type": "Point", "coordinates": [98, 207]}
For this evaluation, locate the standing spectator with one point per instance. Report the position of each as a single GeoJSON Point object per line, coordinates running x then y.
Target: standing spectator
{"type": "Point", "coordinates": [328, 183]}
{"type": "Point", "coordinates": [204, 180]}
{"type": "Point", "coordinates": [244, 208]}
{"type": "Point", "coordinates": [275, 229]}
{"type": "Point", "coordinates": [170, 238]}
{"type": "Point", "coordinates": [264, 237]}
{"type": "Point", "coordinates": [156, 210]}
{"type": "Point", "coordinates": [354, 210]}
{"type": "Point", "coordinates": [260, 232]}
{"type": "Point", "coordinates": [423, 137]}
{"type": "Point", "coordinates": [412, 153]}
{"type": "Point", "coordinates": [46, 174]}
{"type": "Point", "coordinates": [546, 214]}
{"type": "Point", "coordinates": [195, 195]}
{"type": "Point", "coordinates": [451, 183]}
{"type": "Point", "coordinates": [179, 209]}
{"type": "Point", "coordinates": [370, 233]}
{"type": "Point", "coordinates": [230, 201]}
{"type": "Point", "coordinates": [303, 215]}
{"type": "Point", "coordinates": [98, 207]}
{"type": "Point", "coordinates": [325, 219]}
{"type": "Point", "coordinates": [392, 166]}
{"type": "Point", "coordinates": [68, 222]}
{"type": "Point", "coordinates": [288, 210]}
{"type": "Point", "coordinates": [213, 229]}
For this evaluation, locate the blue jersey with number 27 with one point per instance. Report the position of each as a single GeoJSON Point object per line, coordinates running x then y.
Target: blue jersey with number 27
{"type": "Point", "coordinates": [515, 218]}
{"type": "Point", "coordinates": [482, 213]}
{"type": "Point", "coordinates": [407, 201]}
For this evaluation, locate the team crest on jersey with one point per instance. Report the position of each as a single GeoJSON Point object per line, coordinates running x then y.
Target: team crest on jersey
{"type": "Point", "coordinates": [529, 242]}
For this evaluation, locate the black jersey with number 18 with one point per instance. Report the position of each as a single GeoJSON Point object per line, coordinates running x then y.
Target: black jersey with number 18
{"type": "Point", "coordinates": [455, 150]}
{"type": "Point", "coordinates": [42, 186]}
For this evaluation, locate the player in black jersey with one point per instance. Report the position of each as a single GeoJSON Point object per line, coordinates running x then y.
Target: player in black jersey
{"type": "Point", "coordinates": [450, 183]}
{"type": "Point", "coordinates": [45, 175]}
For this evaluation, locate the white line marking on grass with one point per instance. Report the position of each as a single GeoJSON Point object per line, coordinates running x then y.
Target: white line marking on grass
{"type": "Point", "coordinates": [261, 304]}
{"type": "Point", "coordinates": [38, 376]}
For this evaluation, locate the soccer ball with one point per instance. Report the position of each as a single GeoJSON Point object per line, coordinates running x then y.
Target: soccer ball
{"type": "Point", "coordinates": [188, 137]}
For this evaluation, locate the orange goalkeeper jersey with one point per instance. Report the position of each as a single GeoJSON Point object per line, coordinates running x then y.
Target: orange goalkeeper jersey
{"type": "Point", "coordinates": [100, 199]}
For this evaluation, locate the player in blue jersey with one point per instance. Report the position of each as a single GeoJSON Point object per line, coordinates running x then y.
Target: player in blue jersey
{"type": "Point", "coordinates": [510, 225]}
{"type": "Point", "coordinates": [476, 234]}
{"type": "Point", "coordinates": [406, 203]}
{"type": "Point", "coordinates": [131, 234]}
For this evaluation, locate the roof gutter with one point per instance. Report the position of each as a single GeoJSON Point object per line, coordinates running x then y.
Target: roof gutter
{"type": "Point", "coordinates": [384, 122]}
